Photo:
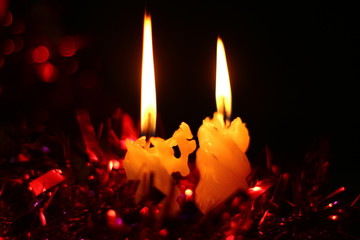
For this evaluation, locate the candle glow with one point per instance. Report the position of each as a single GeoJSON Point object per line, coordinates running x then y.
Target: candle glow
{"type": "Point", "coordinates": [223, 89]}
{"type": "Point", "coordinates": [148, 91]}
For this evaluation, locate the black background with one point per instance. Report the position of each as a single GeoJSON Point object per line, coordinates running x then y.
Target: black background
{"type": "Point", "coordinates": [293, 67]}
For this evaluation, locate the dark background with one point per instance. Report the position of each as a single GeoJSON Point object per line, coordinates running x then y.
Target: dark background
{"type": "Point", "coordinates": [293, 70]}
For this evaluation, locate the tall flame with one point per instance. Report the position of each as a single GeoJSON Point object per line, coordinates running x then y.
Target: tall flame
{"type": "Point", "coordinates": [223, 89]}
{"type": "Point", "coordinates": [148, 92]}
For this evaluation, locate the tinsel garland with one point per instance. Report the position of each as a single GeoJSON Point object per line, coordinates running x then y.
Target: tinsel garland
{"type": "Point", "coordinates": [86, 194]}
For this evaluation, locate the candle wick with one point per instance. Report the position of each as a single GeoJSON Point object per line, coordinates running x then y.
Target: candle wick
{"type": "Point", "coordinates": [147, 132]}
{"type": "Point", "coordinates": [223, 110]}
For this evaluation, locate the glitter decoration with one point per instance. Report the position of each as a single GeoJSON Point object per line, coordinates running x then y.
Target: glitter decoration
{"type": "Point", "coordinates": [90, 199]}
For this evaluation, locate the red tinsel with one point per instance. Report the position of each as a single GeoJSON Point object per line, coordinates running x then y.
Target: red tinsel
{"type": "Point", "coordinates": [91, 198]}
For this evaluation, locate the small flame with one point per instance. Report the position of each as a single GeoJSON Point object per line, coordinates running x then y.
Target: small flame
{"type": "Point", "coordinates": [223, 89]}
{"type": "Point", "coordinates": [148, 92]}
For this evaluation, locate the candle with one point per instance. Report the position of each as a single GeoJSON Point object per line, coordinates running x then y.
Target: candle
{"type": "Point", "coordinates": [151, 160]}
{"type": "Point", "coordinates": [159, 162]}
{"type": "Point", "coordinates": [221, 158]}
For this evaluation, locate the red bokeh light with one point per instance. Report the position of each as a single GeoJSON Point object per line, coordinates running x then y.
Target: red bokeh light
{"type": "Point", "coordinates": [70, 66]}
{"type": "Point", "coordinates": [163, 232]}
{"type": "Point", "coordinates": [7, 19]}
{"type": "Point", "coordinates": [144, 211]}
{"type": "Point", "coordinates": [68, 46]}
{"type": "Point", "coordinates": [47, 72]}
{"type": "Point", "coordinates": [111, 213]}
{"type": "Point", "coordinates": [3, 8]}
{"type": "Point", "coordinates": [40, 54]}
{"type": "Point", "coordinates": [230, 237]}
{"type": "Point", "coordinates": [7, 47]}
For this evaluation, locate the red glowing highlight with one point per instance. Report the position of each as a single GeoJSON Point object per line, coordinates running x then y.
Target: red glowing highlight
{"type": "Point", "coordinates": [68, 46]}
{"type": "Point", "coordinates": [260, 187]}
{"type": "Point", "coordinates": [231, 237]}
{"type": "Point", "coordinates": [355, 201]}
{"type": "Point", "coordinates": [46, 181]}
{"type": "Point", "coordinates": [111, 213]}
{"type": "Point", "coordinates": [40, 54]}
{"type": "Point", "coordinates": [92, 147]}
{"type": "Point", "coordinates": [129, 130]}
{"type": "Point", "coordinates": [144, 211]}
{"type": "Point", "coordinates": [334, 217]}
{"type": "Point", "coordinates": [22, 157]}
{"type": "Point", "coordinates": [337, 191]}
{"type": "Point", "coordinates": [163, 232]}
{"type": "Point", "coordinates": [42, 217]}
{"type": "Point", "coordinates": [112, 219]}
{"type": "Point", "coordinates": [47, 72]}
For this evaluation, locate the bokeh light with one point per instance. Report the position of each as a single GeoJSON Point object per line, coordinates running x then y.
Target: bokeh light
{"type": "Point", "coordinates": [47, 72]}
{"type": "Point", "coordinates": [7, 19]}
{"type": "Point", "coordinates": [7, 47]}
{"type": "Point", "coordinates": [40, 54]}
{"type": "Point", "coordinates": [68, 46]}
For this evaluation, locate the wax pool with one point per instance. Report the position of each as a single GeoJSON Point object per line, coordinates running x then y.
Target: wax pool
{"type": "Point", "coordinates": [221, 160]}
{"type": "Point", "coordinates": [159, 160]}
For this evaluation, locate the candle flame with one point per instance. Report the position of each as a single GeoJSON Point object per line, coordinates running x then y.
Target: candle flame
{"type": "Point", "coordinates": [223, 89]}
{"type": "Point", "coordinates": [148, 92]}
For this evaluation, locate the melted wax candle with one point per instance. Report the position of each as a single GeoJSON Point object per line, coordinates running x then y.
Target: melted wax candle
{"type": "Point", "coordinates": [221, 159]}
{"type": "Point", "coordinates": [142, 161]}
{"type": "Point", "coordinates": [152, 162]}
